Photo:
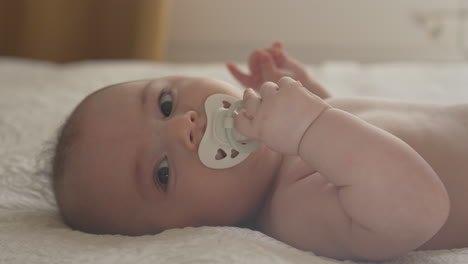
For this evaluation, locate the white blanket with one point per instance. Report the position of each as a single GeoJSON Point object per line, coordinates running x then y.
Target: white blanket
{"type": "Point", "coordinates": [35, 97]}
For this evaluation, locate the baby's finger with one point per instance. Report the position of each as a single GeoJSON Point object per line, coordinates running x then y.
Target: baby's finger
{"type": "Point", "coordinates": [251, 101]}
{"type": "Point", "coordinates": [268, 66]}
{"type": "Point", "coordinates": [254, 62]}
{"type": "Point", "coordinates": [244, 125]}
{"type": "Point", "coordinates": [278, 53]}
{"type": "Point", "coordinates": [288, 82]}
{"type": "Point", "coordinates": [268, 89]}
{"type": "Point", "coordinates": [278, 45]}
{"type": "Point", "coordinates": [243, 78]}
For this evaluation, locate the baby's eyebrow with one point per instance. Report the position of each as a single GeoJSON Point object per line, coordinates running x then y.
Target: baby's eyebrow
{"type": "Point", "coordinates": [144, 93]}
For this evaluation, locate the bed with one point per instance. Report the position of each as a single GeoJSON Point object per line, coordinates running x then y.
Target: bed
{"type": "Point", "coordinates": [35, 98]}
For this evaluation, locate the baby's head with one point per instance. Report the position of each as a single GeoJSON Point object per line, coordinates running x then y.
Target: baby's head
{"type": "Point", "coordinates": [126, 162]}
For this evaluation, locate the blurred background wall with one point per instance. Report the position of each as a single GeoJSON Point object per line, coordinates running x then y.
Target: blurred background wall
{"type": "Point", "coordinates": [221, 30]}
{"type": "Point", "coordinates": [317, 30]}
{"type": "Point", "coordinates": [68, 30]}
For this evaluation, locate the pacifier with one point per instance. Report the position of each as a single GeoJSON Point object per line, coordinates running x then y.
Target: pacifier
{"type": "Point", "coordinates": [222, 146]}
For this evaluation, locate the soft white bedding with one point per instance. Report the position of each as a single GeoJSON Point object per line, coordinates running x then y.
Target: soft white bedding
{"type": "Point", "coordinates": [36, 96]}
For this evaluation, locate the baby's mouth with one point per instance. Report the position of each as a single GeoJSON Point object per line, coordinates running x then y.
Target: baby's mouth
{"type": "Point", "coordinates": [203, 129]}
{"type": "Point", "coordinates": [197, 135]}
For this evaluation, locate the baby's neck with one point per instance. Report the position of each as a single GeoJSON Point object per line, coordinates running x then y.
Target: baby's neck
{"type": "Point", "coordinates": [253, 221]}
{"type": "Point", "coordinates": [290, 169]}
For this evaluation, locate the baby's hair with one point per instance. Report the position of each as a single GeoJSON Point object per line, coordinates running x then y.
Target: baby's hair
{"type": "Point", "coordinates": [62, 150]}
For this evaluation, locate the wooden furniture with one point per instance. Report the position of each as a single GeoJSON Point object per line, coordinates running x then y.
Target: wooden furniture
{"type": "Point", "coordinates": [68, 30]}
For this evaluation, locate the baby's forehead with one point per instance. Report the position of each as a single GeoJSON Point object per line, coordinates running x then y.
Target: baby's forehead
{"type": "Point", "coordinates": [113, 88]}
{"type": "Point", "coordinates": [135, 84]}
{"type": "Point", "coordinates": [125, 90]}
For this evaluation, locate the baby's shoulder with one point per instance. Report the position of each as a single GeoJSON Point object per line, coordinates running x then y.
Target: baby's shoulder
{"type": "Point", "coordinates": [358, 105]}
{"type": "Point", "coordinates": [391, 115]}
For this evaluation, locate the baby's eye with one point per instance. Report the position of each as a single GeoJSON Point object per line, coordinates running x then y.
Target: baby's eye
{"type": "Point", "coordinates": [165, 102]}
{"type": "Point", "coordinates": [161, 175]}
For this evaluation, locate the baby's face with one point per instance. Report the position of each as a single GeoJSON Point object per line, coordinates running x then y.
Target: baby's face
{"type": "Point", "coordinates": [134, 167]}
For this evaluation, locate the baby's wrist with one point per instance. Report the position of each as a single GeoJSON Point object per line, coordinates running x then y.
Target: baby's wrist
{"type": "Point", "coordinates": [320, 115]}
{"type": "Point", "coordinates": [314, 87]}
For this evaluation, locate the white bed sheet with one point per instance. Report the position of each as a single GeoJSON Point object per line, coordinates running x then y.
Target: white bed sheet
{"type": "Point", "coordinates": [35, 97]}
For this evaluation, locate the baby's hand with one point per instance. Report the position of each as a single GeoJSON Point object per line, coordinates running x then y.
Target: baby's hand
{"type": "Point", "coordinates": [280, 115]}
{"type": "Point", "coordinates": [267, 65]}
{"type": "Point", "coordinates": [271, 65]}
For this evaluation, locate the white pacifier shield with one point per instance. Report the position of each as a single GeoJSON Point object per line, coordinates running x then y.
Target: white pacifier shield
{"type": "Point", "coordinates": [215, 151]}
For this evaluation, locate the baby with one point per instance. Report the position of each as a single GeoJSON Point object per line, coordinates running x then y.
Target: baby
{"type": "Point", "coordinates": [346, 178]}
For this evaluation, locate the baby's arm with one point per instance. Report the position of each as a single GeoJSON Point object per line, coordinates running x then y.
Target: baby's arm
{"type": "Point", "coordinates": [392, 198]}
{"type": "Point", "coordinates": [271, 65]}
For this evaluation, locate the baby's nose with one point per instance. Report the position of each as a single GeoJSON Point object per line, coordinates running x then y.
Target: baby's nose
{"type": "Point", "coordinates": [190, 132]}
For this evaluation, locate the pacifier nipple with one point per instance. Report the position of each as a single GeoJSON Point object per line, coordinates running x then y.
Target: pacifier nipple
{"type": "Point", "coordinates": [222, 146]}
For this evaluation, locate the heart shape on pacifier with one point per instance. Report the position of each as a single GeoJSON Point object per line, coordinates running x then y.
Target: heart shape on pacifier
{"type": "Point", "coordinates": [226, 104]}
{"type": "Point", "coordinates": [220, 155]}
{"type": "Point", "coordinates": [234, 153]}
